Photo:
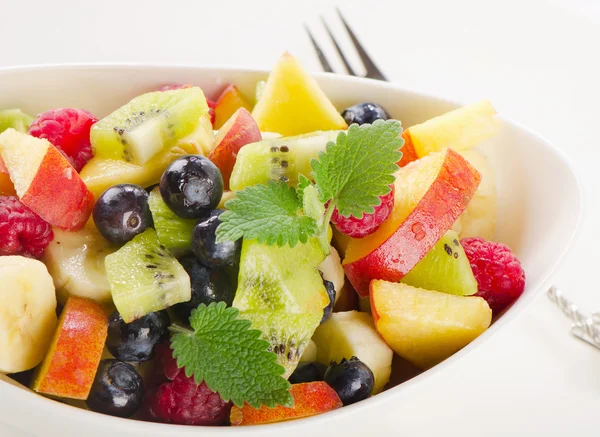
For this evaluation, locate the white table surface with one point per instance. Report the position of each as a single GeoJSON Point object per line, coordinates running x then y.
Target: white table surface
{"type": "Point", "coordinates": [537, 61]}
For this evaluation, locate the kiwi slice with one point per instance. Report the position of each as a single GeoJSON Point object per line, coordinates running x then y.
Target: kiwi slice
{"type": "Point", "coordinates": [445, 268]}
{"type": "Point", "coordinates": [148, 124]}
{"type": "Point", "coordinates": [174, 232]}
{"type": "Point", "coordinates": [145, 277]}
{"type": "Point", "coordinates": [16, 119]}
{"type": "Point", "coordinates": [280, 159]}
{"type": "Point", "coordinates": [281, 292]}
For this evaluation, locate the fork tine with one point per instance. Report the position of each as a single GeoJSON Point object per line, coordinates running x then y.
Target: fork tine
{"type": "Point", "coordinates": [322, 59]}
{"type": "Point", "coordinates": [372, 71]}
{"type": "Point", "coordinates": [338, 48]}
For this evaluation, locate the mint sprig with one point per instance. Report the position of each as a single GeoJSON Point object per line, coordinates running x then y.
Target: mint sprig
{"type": "Point", "coordinates": [357, 170]}
{"type": "Point", "coordinates": [270, 213]}
{"type": "Point", "coordinates": [351, 175]}
{"type": "Point", "coordinates": [224, 352]}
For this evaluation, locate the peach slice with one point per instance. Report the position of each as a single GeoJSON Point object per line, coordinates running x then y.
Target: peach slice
{"type": "Point", "coordinates": [430, 195]}
{"type": "Point", "coordinates": [239, 130]}
{"type": "Point", "coordinates": [426, 327]}
{"type": "Point", "coordinates": [69, 368]}
{"type": "Point", "coordinates": [310, 399]}
{"type": "Point", "coordinates": [230, 100]}
{"type": "Point", "coordinates": [292, 103]}
{"type": "Point", "coordinates": [45, 181]}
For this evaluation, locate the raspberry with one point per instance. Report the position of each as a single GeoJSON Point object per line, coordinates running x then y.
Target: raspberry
{"type": "Point", "coordinates": [500, 277]}
{"type": "Point", "coordinates": [68, 129]}
{"type": "Point", "coordinates": [211, 104]}
{"type": "Point", "coordinates": [22, 231]}
{"type": "Point", "coordinates": [358, 228]}
{"type": "Point", "coordinates": [179, 399]}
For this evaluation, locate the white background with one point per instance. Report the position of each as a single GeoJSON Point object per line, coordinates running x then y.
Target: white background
{"type": "Point", "coordinates": [536, 60]}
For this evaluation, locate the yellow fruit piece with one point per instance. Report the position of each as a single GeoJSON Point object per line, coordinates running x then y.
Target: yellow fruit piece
{"type": "Point", "coordinates": [426, 327]}
{"type": "Point", "coordinates": [352, 333]}
{"type": "Point", "coordinates": [227, 196]}
{"type": "Point", "coordinates": [292, 103]}
{"type": "Point", "coordinates": [479, 219]}
{"type": "Point", "coordinates": [27, 313]}
{"type": "Point", "coordinates": [101, 173]}
{"type": "Point", "coordinates": [460, 129]}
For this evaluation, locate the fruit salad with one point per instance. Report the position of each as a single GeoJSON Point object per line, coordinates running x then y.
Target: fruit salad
{"type": "Point", "coordinates": [224, 261]}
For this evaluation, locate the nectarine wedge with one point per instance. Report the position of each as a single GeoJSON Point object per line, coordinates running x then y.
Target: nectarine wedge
{"type": "Point", "coordinates": [45, 181]}
{"type": "Point", "coordinates": [426, 327]}
{"type": "Point", "coordinates": [430, 194]}
{"type": "Point", "coordinates": [69, 368]}
{"type": "Point", "coordinates": [230, 100]}
{"type": "Point", "coordinates": [310, 399]}
{"type": "Point", "coordinates": [239, 130]}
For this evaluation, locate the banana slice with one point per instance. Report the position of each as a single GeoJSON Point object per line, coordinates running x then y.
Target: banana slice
{"type": "Point", "coordinates": [76, 262]}
{"type": "Point", "coordinates": [479, 219]}
{"type": "Point", "coordinates": [352, 334]}
{"type": "Point", "coordinates": [27, 313]}
{"type": "Point", "coordinates": [332, 270]}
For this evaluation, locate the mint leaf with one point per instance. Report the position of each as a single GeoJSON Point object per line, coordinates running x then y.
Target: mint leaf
{"type": "Point", "coordinates": [356, 170]}
{"type": "Point", "coordinates": [303, 183]}
{"type": "Point", "coordinates": [268, 213]}
{"type": "Point", "coordinates": [230, 358]}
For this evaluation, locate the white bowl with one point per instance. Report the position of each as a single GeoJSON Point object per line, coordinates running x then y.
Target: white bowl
{"type": "Point", "coordinates": [539, 211]}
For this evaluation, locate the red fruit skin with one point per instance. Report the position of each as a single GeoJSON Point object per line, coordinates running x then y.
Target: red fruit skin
{"type": "Point", "coordinates": [22, 232]}
{"type": "Point", "coordinates": [174, 86]}
{"type": "Point", "coordinates": [211, 110]}
{"type": "Point", "coordinates": [435, 213]}
{"type": "Point", "coordinates": [369, 223]}
{"type": "Point", "coordinates": [500, 276]}
{"type": "Point", "coordinates": [239, 130]}
{"type": "Point", "coordinates": [68, 129]}
{"type": "Point", "coordinates": [58, 195]}
{"type": "Point", "coordinates": [175, 398]}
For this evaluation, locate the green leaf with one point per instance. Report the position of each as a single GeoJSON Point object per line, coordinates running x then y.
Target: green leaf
{"type": "Point", "coordinates": [268, 213]}
{"type": "Point", "coordinates": [230, 358]}
{"type": "Point", "coordinates": [303, 183]}
{"type": "Point", "coordinates": [355, 171]}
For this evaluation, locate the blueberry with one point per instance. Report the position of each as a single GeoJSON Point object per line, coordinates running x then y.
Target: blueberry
{"type": "Point", "coordinates": [364, 113]}
{"type": "Point", "coordinates": [118, 390]}
{"type": "Point", "coordinates": [331, 293]}
{"type": "Point", "coordinates": [352, 380]}
{"type": "Point", "coordinates": [135, 341]}
{"type": "Point", "coordinates": [122, 212]}
{"type": "Point", "coordinates": [191, 186]}
{"type": "Point", "coordinates": [308, 372]}
{"type": "Point", "coordinates": [209, 285]}
{"type": "Point", "coordinates": [204, 245]}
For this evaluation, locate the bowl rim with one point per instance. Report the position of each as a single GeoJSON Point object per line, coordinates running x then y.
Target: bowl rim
{"type": "Point", "coordinates": [50, 406]}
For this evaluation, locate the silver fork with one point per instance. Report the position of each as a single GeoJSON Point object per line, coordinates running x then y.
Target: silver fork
{"type": "Point", "coordinates": [372, 71]}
